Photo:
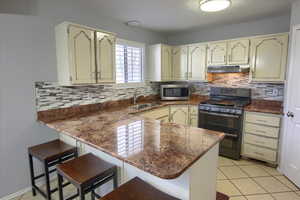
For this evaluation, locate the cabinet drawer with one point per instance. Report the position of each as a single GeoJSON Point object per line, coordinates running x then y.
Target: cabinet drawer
{"type": "Point", "coordinates": [260, 153]}
{"type": "Point", "coordinates": [262, 119]}
{"type": "Point", "coordinates": [262, 130]}
{"type": "Point", "coordinates": [261, 141]}
{"type": "Point", "coordinates": [157, 113]}
{"type": "Point", "coordinates": [193, 110]}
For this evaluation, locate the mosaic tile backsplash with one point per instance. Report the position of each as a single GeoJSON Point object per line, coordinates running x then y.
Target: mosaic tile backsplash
{"type": "Point", "coordinates": [50, 95]}
{"type": "Point", "coordinates": [261, 91]}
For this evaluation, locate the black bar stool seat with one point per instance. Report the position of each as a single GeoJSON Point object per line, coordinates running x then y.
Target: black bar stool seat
{"type": "Point", "coordinates": [137, 189]}
{"type": "Point", "coordinates": [86, 173]}
{"type": "Point", "coordinates": [50, 154]}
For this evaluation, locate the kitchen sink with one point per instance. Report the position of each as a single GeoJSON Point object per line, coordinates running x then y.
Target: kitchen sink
{"type": "Point", "coordinates": [144, 106]}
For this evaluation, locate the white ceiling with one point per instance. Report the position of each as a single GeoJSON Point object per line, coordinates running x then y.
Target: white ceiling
{"type": "Point", "coordinates": [177, 15]}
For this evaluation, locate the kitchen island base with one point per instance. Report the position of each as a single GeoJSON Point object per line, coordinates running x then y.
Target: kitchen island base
{"type": "Point", "coordinates": [198, 182]}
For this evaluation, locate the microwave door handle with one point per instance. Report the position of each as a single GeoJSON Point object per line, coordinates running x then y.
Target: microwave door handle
{"type": "Point", "coordinates": [220, 114]}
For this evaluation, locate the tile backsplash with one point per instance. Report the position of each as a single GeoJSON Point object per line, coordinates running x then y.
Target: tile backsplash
{"type": "Point", "coordinates": [50, 95]}
{"type": "Point", "coordinates": [261, 91]}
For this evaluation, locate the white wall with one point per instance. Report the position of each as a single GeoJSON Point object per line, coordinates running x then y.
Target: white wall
{"type": "Point", "coordinates": [295, 16]}
{"type": "Point", "coordinates": [259, 27]}
{"type": "Point", "coordinates": [27, 54]}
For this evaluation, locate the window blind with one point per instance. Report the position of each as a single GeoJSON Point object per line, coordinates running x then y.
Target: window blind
{"type": "Point", "coordinates": [128, 64]}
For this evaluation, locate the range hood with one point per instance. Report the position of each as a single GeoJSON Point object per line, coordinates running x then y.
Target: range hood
{"type": "Point", "coordinates": [228, 69]}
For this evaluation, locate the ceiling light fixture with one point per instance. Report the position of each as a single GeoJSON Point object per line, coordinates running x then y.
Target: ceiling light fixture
{"type": "Point", "coordinates": [133, 23]}
{"type": "Point", "coordinates": [214, 5]}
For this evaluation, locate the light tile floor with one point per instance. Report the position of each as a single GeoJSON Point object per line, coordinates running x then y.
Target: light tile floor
{"type": "Point", "coordinates": [241, 180]}
{"type": "Point", "coordinates": [252, 180]}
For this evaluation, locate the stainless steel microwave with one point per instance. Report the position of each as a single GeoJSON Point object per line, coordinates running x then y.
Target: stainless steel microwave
{"type": "Point", "coordinates": [174, 92]}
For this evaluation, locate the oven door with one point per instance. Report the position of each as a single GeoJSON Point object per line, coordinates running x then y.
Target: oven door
{"type": "Point", "coordinates": [229, 124]}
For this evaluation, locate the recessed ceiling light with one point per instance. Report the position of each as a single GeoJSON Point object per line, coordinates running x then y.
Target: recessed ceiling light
{"type": "Point", "coordinates": [214, 5]}
{"type": "Point", "coordinates": [133, 23]}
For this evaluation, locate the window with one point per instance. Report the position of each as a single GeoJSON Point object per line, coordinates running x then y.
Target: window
{"type": "Point", "coordinates": [129, 62]}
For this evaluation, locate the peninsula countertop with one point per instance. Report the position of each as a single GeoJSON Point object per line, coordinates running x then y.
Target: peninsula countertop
{"type": "Point", "coordinates": [165, 150]}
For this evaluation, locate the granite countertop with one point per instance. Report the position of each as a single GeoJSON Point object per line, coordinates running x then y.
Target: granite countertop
{"type": "Point", "coordinates": [165, 150]}
{"type": "Point", "coordinates": [265, 106]}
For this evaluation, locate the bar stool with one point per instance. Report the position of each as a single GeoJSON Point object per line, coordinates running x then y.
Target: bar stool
{"type": "Point", "coordinates": [137, 189]}
{"type": "Point", "coordinates": [86, 173]}
{"type": "Point", "coordinates": [50, 154]}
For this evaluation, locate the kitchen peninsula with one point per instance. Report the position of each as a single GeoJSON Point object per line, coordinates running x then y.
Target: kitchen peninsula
{"type": "Point", "coordinates": [178, 159]}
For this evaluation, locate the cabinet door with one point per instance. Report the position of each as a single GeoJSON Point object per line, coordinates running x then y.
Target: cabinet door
{"type": "Point", "coordinates": [269, 57]}
{"type": "Point", "coordinates": [238, 52]}
{"type": "Point", "coordinates": [105, 57]}
{"type": "Point", "coordinates": [82, 55]}
{"type": "Point", "coordinates": [179, 114]}
{"type": "Point", "coordinates": [166, 63]}
{"type": "Point", "coordinates": [193, 116]}
{"type": "Point", "coordinates": [217, 54]}
{"type": "Point", "coordinates": [180, 63]}
{"type": "Point", "coordinates": [164, 119]}
{"type": "Point", "coordinates": [197, 62]}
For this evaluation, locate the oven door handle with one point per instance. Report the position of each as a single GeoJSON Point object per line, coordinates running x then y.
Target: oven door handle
{"type": "Point", "coordinates": [219, 114]}
{"type": "Point", "coordinates": [231, 135]}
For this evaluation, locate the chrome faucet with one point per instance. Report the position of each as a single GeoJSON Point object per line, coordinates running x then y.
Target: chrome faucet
{"type": "Point", "coordinates": [135, 96]}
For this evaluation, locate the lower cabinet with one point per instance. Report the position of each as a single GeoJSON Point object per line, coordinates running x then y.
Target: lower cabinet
{"type": "Point", "coordinates": [193, 116]}
{"type": "Point", "coordinates": [161, 114]}
{"type": "Point", "coordinates": [179, 114]}
{"type": "Point", "coordinates": [261, 136]}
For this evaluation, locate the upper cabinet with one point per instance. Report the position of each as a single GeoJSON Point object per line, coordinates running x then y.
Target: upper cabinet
{"type": "Point", "coordinates": [232, 52]}
{"type": "Point", "coordinates": [177, 63]}
{"type": "Point", "coordinates": [105, 44]}
{"type": "Point", "coordinates": [84, 55]}
{"type": "Point", "coordinates": [269, 58]}
{"type": "Point", "coordinates": [160, 63]}
{"type": "Point", "coordinates": [238, 52]}
{"type": "Point", "coordinates": [166, 63]}
{"type": "Point", "coordinates": [197, 62]}
{"type": "Point", "coordinates": [180, 63]}
{"type": "Point", "coordinates": [217, 54]}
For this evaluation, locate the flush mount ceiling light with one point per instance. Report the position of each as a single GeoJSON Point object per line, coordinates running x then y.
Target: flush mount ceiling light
{"type": "Point", "coordinates": [214, 5]}
{"type": "Point", "coordinates": [133, 23]}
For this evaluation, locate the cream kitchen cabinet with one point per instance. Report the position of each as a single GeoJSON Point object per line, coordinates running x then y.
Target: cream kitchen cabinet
{"type": "Point", "coordinates": [217, 54]}
{"type": "Point", "coordinates": [269, 58]}
{"type": "Point", "coordinates": [84, 55]}
{"type": "Point", "coordinates": [231, 52]}
{"type": "Point", "coordinates": [180, 63]}
{"type": "Point", "coordinates": [197, 62]}
{"type": "Point", "coordinates": [193, 116]}
{"type": "Point", "coordinates": [238, 52]}
{"type": "Point", "coordinates": [161, 114]}
{"type": "Point", "coordinates": [105, 46]}
{"type": "Point", "coordinates": [261, 136]}
{"type": "Point", "coordinates": [179, 114]}
{"type": "Point", "coordinates": [160, 63]}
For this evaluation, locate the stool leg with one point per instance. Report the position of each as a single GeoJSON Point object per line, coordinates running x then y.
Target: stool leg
{"type": "Point", "coordinates": [92, 195]}
{"type": "Point", "coordinates": [115, 180]}
{"type": "Point", "coordinates": [48, 192]}
{"type": "Point", "coordinates": [60, 186]}
{"type": "Point", "coordinates": [81, 194]}
{"type": "Point", "coordinates": [32, 174]}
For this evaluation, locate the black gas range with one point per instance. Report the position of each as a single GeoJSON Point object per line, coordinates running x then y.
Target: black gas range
{"type": "Point", "coordinates": [224, 112]}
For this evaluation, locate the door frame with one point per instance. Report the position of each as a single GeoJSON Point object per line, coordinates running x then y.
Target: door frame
{"type": "Point", "coordinates": [286, 104]}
